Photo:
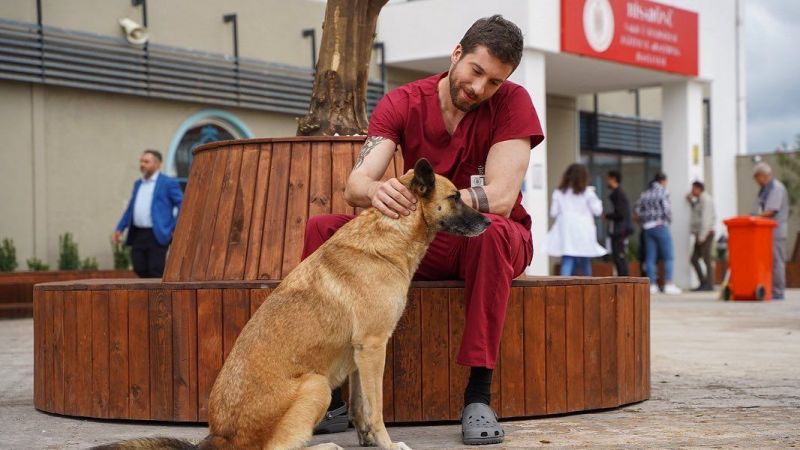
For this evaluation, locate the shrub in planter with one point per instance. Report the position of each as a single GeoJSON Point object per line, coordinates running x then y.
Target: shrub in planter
{"type": "Point", "coordinates": [68, 258]}
{"type": "Point", "coordinates": [122, 257]}
{"type": "Point", "coordinates": [8, 256]}
{"type": "Point", "coordinates": [37, 265]}
{"type": "Point", "coordinates": [90, 264]}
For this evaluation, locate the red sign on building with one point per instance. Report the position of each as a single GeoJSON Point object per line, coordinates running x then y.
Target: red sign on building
{"type": "Point", "coordinates": [637, 32]}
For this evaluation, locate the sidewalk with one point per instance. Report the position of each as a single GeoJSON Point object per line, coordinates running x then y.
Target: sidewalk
{"type": "Point", "coordinates": [723, 375]}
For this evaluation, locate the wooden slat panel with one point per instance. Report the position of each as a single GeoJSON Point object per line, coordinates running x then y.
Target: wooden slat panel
{"type": "Point", "coordinates": [434, 336]}
{"type": "Point", "coordinates": [259, 209]}
{"type": "Point", "coordinates": [83, 385]}
{"type": "Point", "coordinates": [535, 354]}
{"type": "Point", "coordinates": [118, 354]}
{"type": "Point", "coordinates": [320, 182]}
{"type": "Point", "coordinates": [202, 217]}
{"type": "Point", "coordinates": [222, 226]}
{"type": "Point", "coordinates": [39, 318]}
{"type": "Point", "coordinates": [71, 367]}
{"type": "Point", "coordinates": [275, 218]}
{"type": "Point", "coordinates": [459, 375]}
{"type": "Point", "coordinates": [638, 374]}
{"type": "Point", "coordinates": [574, 333]}
{"type": "Point", "coordinates": [160, 355]}
{"type": "Point", "coordinates": [139, 354]}
{"type": "Point", "coordinates": [257, 297]}
{"type": "Point", "coordinates": [513, 356]}
{"type": "Point", "coordinates": [608, 345]}
{"type": "Point", "coordinates": [342, 164]}
{"type": "Point", "coordinates": [209, 345]}
{"type": "Point", "coordinates": [593, 381]}
{"type": "Point", "coordinates": [205, 231]}
{"type": "Point", "coordinates": [101, 389]}
{"type": "Point", "coordinates": [58, 352]}
{"type": "Point", "coordinates": [646, 339]}
{"type": "Point", "coordinates": [194, 195]}
{"type": "Point", "coordinates": [388, 383]}
{"type": "Point", "coordinates": [184, 355]}
{"type": "Point", "coordinates": [47, 342]}
{"type": "Point", "coordinates": [296, 207]}
{"type": "Point", "coordinates": [407, 363]}
{"type": "Point", "coordinates": [625, 349]}
{"type": "Point", "coordinates": [555, 310]}
{"type": "Point", "coordinates": [241, 219]}
{"type": "Point", "coordinates": [235, 313]}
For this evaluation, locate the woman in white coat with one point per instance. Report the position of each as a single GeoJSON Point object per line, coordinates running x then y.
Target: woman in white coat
{"type": "Point", "coordinates": [573, 236]}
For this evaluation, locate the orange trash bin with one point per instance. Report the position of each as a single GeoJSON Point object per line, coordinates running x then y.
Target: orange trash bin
{"type": "Point", "coordinates": [750, 258]}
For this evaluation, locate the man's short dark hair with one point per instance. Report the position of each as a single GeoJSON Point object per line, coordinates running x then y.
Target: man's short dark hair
{"type": "Point", "coordinates": [699, 185]}
{"type": "Point", "coordinates": [156, 154]}
{"type": "Point", "coordinates": [615, 175]}
{"type": "Point", "coordinates": [659, 177]}
{"type": "Point", "coordinates": [501, 37]}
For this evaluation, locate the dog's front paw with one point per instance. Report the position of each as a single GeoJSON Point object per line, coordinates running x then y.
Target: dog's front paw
{"type": "Point", "coordinates": [365, 439]}
{"type": "Point", "coordinates": [327, 446]}
{"type": "Point", "coordinates": [400, 446]}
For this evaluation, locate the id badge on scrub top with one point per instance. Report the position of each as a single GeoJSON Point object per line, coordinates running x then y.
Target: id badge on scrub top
{"type": "Point", "coordinates": [479, 179]}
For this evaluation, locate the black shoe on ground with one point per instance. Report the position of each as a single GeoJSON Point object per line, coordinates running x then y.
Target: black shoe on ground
{"type": "Point", "coordinates": [335, 421]}
{"type": "Point", "coordinates": [703, 289]}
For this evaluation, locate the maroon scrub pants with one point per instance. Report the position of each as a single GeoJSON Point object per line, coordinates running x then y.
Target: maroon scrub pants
{"type": "Point", "coordinates": [487, 264]}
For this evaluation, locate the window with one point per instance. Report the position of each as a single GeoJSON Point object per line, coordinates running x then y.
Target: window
{"type": "Point", "coordinates": [193, 138]}
{"type": "Point", "coordinates": [201, 128]}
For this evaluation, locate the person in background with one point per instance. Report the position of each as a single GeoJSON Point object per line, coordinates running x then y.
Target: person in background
{"type": "Point", "coordinates": [574, 234]}
{"type": "Point", "coordinates": [702, 228]}
{"type": "Point", "coordinates": [654, 212]}
{"type": "Point", "coordinates": [150, 217]}
{"type": "Point", "coordinates": [773, 203]}
{"type": "Point", "coordinates": [619, 222]}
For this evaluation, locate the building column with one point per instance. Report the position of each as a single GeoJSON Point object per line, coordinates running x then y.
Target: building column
{"type": "Point", "coordinates": [682, 162]}
{"type": "Point", "coordinates": [39, 175]}
{"type": "Point", "coordinates": [531, 75]}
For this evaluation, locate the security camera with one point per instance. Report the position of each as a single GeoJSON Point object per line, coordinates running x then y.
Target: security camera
{"type": "Point", "coordinates": [134, 33]}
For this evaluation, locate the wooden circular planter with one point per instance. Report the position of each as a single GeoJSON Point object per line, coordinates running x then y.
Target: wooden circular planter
{"type": "Point", "coordinates": [133, 349]}
{"type": "Point", "coordinates": [150, 350]}
{"type": "Point", "coordinates": [247, 203]}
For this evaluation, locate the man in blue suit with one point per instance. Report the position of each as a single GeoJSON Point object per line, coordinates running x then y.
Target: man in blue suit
{"type": "Point", "coordinates": [150, 217]}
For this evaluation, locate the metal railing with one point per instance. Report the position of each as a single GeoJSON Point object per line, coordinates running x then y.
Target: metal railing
{"type": "Point", "coordinates": [62, 57]}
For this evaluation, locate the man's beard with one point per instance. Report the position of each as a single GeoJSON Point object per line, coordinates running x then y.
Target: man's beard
{"type": "Point", "coordinates": [454, 95]}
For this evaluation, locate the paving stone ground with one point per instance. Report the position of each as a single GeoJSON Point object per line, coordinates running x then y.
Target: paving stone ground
{"type": "Point", "coordinates": [724, 375]}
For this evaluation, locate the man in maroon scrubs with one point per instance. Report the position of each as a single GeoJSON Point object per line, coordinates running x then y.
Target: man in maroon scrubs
{"type": "Point", "coordinates": [477, 129]}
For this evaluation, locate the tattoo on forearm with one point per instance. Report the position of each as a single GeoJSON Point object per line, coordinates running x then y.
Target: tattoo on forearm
{"type": "Point", "coordinates": [480, 198]}
{"type": "Point", "coordinates": [369, 144]}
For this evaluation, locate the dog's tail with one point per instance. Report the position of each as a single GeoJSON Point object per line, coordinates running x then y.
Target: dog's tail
{"type": "Point", "coordinates": [161, 443]}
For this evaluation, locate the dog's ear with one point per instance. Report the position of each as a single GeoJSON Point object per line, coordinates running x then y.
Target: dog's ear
{"type": "Point", "coordinates": [424, 178]}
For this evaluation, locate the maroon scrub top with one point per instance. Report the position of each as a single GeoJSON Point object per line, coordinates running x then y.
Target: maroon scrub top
{"type": "Point", "coordinates": [411, 118]}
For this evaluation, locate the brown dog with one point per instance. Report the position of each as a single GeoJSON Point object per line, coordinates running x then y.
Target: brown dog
{"type": "Point", "coordinates": [329, 319]}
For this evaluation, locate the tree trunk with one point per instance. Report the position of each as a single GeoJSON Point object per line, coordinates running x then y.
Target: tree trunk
{"type": "Point", "coordinates": [339, 100]}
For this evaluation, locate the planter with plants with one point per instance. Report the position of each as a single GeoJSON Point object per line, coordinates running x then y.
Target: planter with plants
{"type": "Point", "coordinates": [16, 287]}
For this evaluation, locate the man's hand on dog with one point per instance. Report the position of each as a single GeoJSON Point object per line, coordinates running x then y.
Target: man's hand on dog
{"type": "Point", "coordinates": [391, 198]}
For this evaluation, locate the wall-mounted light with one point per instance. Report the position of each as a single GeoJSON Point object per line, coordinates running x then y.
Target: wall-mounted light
{"type": "Point", "coordinates": [134, 33]}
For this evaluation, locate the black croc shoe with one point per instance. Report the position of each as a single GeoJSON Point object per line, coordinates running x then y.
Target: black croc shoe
{"type": "Point", "coordinates": [335, 421]}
